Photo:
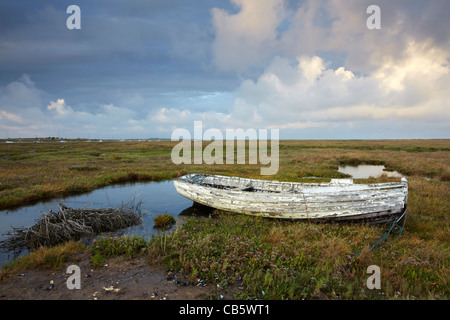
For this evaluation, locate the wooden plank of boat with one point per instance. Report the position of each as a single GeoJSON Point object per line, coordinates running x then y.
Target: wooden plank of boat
{"type": "Point", "coordinates": [338, 200]}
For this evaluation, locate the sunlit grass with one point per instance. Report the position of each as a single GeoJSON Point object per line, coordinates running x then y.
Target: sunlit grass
{"type": "Point", "coordinates": [43, 258]}
{"type": "Point", "coordinates": [164, 220]}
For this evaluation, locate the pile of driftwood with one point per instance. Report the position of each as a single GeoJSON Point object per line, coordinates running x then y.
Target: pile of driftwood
{"type": "Point", "coordinates": [67, 224]}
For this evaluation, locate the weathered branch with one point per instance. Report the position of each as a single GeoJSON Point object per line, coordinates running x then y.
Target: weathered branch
{"type": "Point", "coordinates": [67, 224]}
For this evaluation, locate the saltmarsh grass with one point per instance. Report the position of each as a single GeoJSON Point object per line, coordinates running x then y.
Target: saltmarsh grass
{"type": "Point", "coordinates": [164, 220]}
{"type": "Point", "coordinates": [268, 259]}
{"type": "Point", "coordinates": [255, 257]}
{"type": "Point", "coordinates": [32, 172]}
{"type": "Point", "coordinates": [44, 258]}
{"type": "Point", "coordinates": [109, 247]}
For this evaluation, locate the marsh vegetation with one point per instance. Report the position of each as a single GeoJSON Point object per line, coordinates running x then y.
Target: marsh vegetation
{"type": "Point", "coordinates": [255, 257]}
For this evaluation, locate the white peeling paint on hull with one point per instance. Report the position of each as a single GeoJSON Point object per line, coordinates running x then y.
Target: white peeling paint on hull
{"type": "Point", "coordinates": [338, 200]}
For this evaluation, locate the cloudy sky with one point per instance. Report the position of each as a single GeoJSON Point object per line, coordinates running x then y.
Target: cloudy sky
{"type": "Point", "coordinates": [141, 68]}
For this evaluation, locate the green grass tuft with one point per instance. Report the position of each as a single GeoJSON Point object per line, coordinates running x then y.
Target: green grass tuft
{"type": "Point", "coordinates": [164, 220]}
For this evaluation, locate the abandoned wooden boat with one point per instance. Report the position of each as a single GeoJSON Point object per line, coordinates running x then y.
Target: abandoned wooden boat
{"type": "Point", "coordinates": [338, 200]}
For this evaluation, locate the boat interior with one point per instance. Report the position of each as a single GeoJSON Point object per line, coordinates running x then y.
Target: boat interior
{"type": "Point", "coordinates": [255, 185]}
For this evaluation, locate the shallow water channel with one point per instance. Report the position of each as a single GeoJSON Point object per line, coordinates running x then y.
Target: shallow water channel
{"type": "Point", "coordinates": [157, 197]}
{"type": "Point", "coordinates": [366, 171]}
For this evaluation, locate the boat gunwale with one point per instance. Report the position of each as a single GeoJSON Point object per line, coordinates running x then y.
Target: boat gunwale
{"type": "Point", "coordinates": [370, 186]}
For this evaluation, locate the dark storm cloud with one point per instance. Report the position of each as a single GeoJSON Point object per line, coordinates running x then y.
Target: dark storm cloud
{"type": "Point", "coordinates": [142, 46]}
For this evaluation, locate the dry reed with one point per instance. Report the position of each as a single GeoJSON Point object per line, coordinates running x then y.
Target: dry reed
{"type": "Point", "coordinates": [67, 224]}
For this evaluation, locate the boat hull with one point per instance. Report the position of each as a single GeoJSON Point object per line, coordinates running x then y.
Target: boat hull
{"type": "Point", "coordinates": [338, 200]}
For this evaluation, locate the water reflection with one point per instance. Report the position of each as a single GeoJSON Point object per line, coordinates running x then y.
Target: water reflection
{"type": "Point", "coordinates": [156, 197]}
{"type": "Point", "coordinates": [367, 171]}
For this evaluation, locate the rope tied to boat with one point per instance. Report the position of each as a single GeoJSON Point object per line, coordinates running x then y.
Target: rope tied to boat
{"type": "Point", "coordinates": [396, 227]}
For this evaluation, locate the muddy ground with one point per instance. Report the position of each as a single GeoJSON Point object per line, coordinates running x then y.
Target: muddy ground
{"type": "Point", "coordinates": [123, 279]}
